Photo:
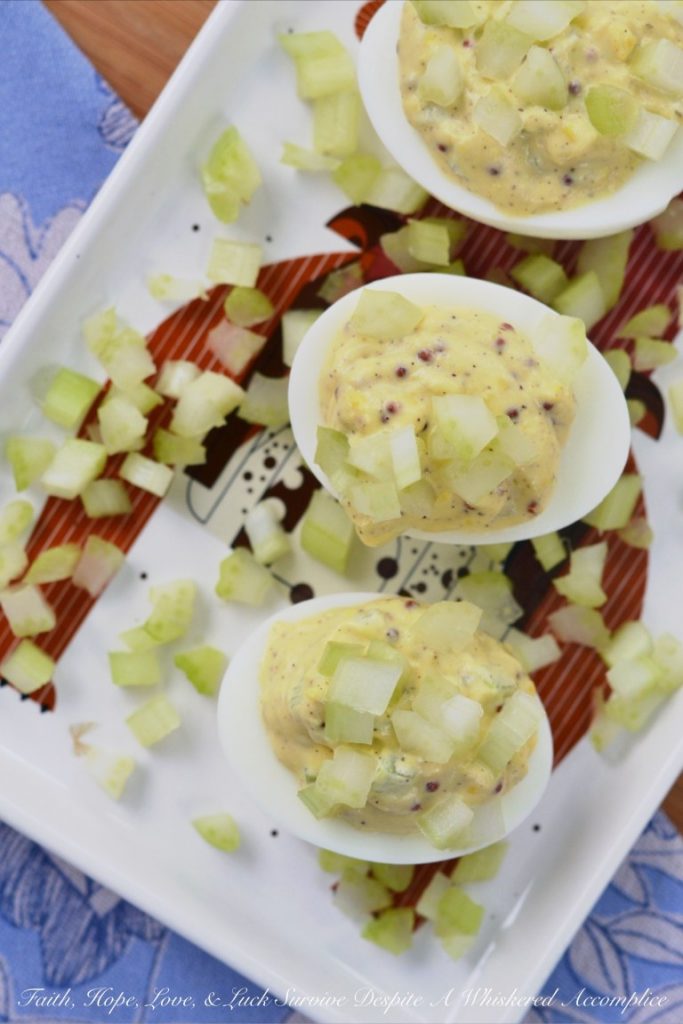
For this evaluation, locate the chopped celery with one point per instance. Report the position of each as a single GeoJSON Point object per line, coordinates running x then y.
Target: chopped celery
{"type": "Point", "coordinates": [100, 328]}
{"type": "Point", "coordinates": [660, 64]}
{"type": "Point", "coordinates": [497, 116]}
{"type": "Point", "coordinates": [405, 457]}
{"type": "Point", "coordinates": [242, 579]}
{"type": "Point", "coordinates": [26, 610]}
{"type": "Point", "coordinates": [204, 404]}
{"type": "Point", "coordinates": [334, 652]}
{"type": "Point", "coordinates": [427, 905]}
{"type": "Point", "coordinates": [603, 730]}
{"type": "Point", "coordinates": [491, 592]}
{"type": "Point", "coordinates": [230, 176]}
{"type": "Point", "coordinates": [265, 402]}
{"type": "Point", "coordinates": [541, 20]}
{"type": "Point", "coordinates": [458, 913]}
{"type": "Point", "coordinates": [27, 668]}
{"type": "Point", "coordinates": [69, 397]}
{"type": "Point", "coordinates": [581, 585]}
{"type": "Point", "coordinates": [668, 654]}
{"type": "Point", "coordinates": [15, 519]}
{"type": "Point", "coordinates": [419, 737]}
{"type": "Point", "coordinates": [122, 426]}
{"type": "Point", "coordinates": [109, 769]}
{"type": "Point", "coordinates": [675, 396]}
{"type": "Point", "coordinates": [445, 821]}
{"type": "Point", "coordinates": [173, 606]}
{"type": "Point", "coordinates": [510, 730]}
{"type": "Point", "coordinates": [454, 714]}
{"type": "Point", "coordinates": [607, 257]}
{"type": "Point", "coordinates": [651, 135]}
{"type": "Point", "coordinates": [306, 159]}
{"type": "Point", "coordinates": [336, 863]}
{"type": "Point", "coordinates": [541, 276]}
{"type": "Point", "coordinates": [98, 564]}
{"type": "Point", "coordinates": [379, 501]}
{"type": "Point", "coordinates": [175, 376]}
{"type": "Point", "coordinates": [13, 562]}
{"type": "Point", "coordinates": [634, 678]}
{"type": "Point", "coordinates": [583, 298]}
{"type": "Point", "coordinates": [356, 175]}
{"type": "Point", "coordinates": [322, 64]}
{"type": "Point", "coordinates": [336, 119]}
{"type": "Point", "coordinates": [358, 896]}
{"type": "Point", "coordinates": [295, 324]}
{"type": "Point", "coordinates": [331, 453]}
{"type": "Point", "coordinates": [345, 725]}
{"type": "Point", "coordinates": [576, 625]}
{"type": "Point", "coordinates": [649, 353]}
{"type": "Point", "coordinates": [106, 498]}
{"type": "Point", "coordinates": [395, 246]}
{"type": "Point", "coordinates": [341, 281]}
{"type": "Point", "coordinates": [638, 533]}
{"type": "Point", "coordinates": [530, 245]}
{"type": "Point", "coordinates": [134, 668]}
{"type": "Point", "coordinates": [267, 538]}
{"type": "Point", "coordinates": [458, 14]}
{"type": "Point", "coordinates": [153, 721]}
{"type": "Point", "coordinates": [167, 288]}
{"type": "Point", "coordinates": [648, 323]}
{"type": "Point", "coordinates": [54, 564]}
{"type": "Point", "coordinates": [143, 397]}
{"type": "Point", "coordinates": [668, 227]}
{"type": "Point", "coordinates": [466, 423]}
{"type": "Point", "coordinates": [429, 242]}
{"type": "Point", "coordinates": [631, 640]}
{"type": "Point", "coordinates": [247, 306]}
{"type": "Point", "coordinates": [480, 866]}
{"type": "Point", "coordinates": [396, 877]}
{"type": "Point", "coordinates": [364, 684]}
{"type": "Point", "coordinates": [384, 315]}
{"type": "Point", "coordinates": [218, 830]}
{"type": "Point", "coordinates": [326, 532]}
{"type": "Point", "coordinates": [549, 550]}
{"type": "Point", "coordinates": [127, 360]}
{"type": "Point", "coordinates": [29, 457]}
{"type": "Point", "coordinates": [616, 509]}
{"type": "Point", "coordinates": [391, 930]}
{"type": "Point", "coordinates": [633, 713]}
{"type": "Point", "coordinates": [611, 111]}
{"type": "Point", "coordinates": [533, 653]}
{"type": "Point", "coordinates": [500, 49]}
{"type": "Point", "coordinates": [561, 343]}
{"type": "Point", "coordinates": [441, 82]}
{"type": "Point", "coordinates": [372, 455]}
{"type": "Point", "coordinates": [234, 262]}
{"type": "Point", "coordinates": [540, 81]}
{"type": "Point", "coordinates": [76, 464]}
{"type": "Point", "coordinates": [346, 778]}
{"type": "Point", "coordinates": [146, 474]}
{"type": "Point", "coordinates": [621, 364]}
{"type": "Point", "coordinates": [138, 639]}
{"type": "Point", "coordinates": [392, 189]}
{"type": "Point", "coordinates": [447, 625]}
{"type": "Point", "coordinates": [177, 451]}
{"type": "Point", "coordinates": [515, 443]}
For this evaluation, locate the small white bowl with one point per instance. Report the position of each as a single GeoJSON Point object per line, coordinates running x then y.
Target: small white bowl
{"type": "Point", "coordinates": [274, 788]}
{"type": "Point", "coordinates": [596, 450]}
{"type": "Point", "coordinates": [642, 197]}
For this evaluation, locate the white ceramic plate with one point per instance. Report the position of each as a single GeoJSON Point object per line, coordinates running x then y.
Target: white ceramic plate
{"type": "Point", "coordinates": [643, 196]}
{"type": "Point", "coordinates": [291, 937]}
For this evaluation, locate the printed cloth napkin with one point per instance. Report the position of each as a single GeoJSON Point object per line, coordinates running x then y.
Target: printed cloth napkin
{"type": "Point", "coordinates": [70, 948]}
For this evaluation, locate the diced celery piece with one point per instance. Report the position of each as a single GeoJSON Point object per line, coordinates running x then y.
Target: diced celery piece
{"type": "Point", "coordinates": [138, 639]}
{"type": "Point", "coordinates": [234, 262]}
{"type": "Point", "coordinates": [175, 376]}
{"type": "Point", "coordinates": [391, 930]}
{"type": "Point", "coordinates": [621, 364]}
{"type": "Point", "coordinates": [345, 725]}
{"type": "Point", "coordinates": [356, 175]}
{"type": "Point", "coordinates": [173, 606]}
{"type": "Point", "coordinates": [500, 49]}
{"type": "Point", "coordinates": [405, 457]}
{"type": "Point", "coordinates": [542, 20]}
{"type": "Point", "coordinates": [334, 652]}
{"type": "Point", "coordinates": [318, 803]}
{"type": "Point", "coordinates": [15, 519]}
{"type": "Point", "coordinates": [306, 159]}
{"type": "Point", "coordinates": [445, 821]}
{"type": "Point", "coordinates": [336, 863]}
{"type": "Point", "coordinates": [29, 457]}
{"type": "Point", "coordinates": [549, 550]}
{"type": "Point", "coordinates": [385, 315]}
{"type": "Point", "coordinates": [265, 402]}
{"type": "Point", "coordinates": [336, 119]}
{"type": "Point", "coordinates": [638, 533]}
{"type": "Point", "coordinates": [675, 396]}
{"type": "Point", "coordinates": [466, 422]}
{"type": "Point", "coordinates": [146, 474]}
{"type": "Point", "coordinates": [581, 585]}
{"type": "Point", "coordinates": [295, 324]}
{"type": "Point", "coordinates": [127, 360]}
{"type": "Point", "coordinates": [106, 498]}
{"type": "Point", "coordinates": [326, 532]}
{"type": "Point", "coordinates": [393, 189]}
{"type": "Point", "coordinates": [631, 640]}
{"type": "Point", "coordinates": [510, 730]}
{"type": "Point", "coordinates": [541, 276]}
{"type": "Point", "coordinates": [364, 684]}
{"type": "Point", "coordinates": [267, 538]}
{"type": "Point", "coordinates": [480, 866]}
{"type": "Point", "coordinates": [230, 175]}
{"type": "Point", "coordinates": [242, 579]}
{"type": "Point", "coordinates": [447, 625]}
{"type": "Point", "coordinates": [69, 397]}
{"type": "Point", "coordinates": [452, 13]}
{"type": "Point", "coordinates": [395, 246]}
{"type": "Point", "coordinates": [497, 116]}
{"type": "Point", "coordinates": [616, 509]}
{"type": "Point", "coordinates": [633, 713]}
{"type": "Point", "coordinates": [540, 81]}
{"type": "Point", "coordinates": [346, 778]}
{"type": "Point", "coordinates": [13, 562]}
{"type": "Point", "coordinates": [143, 397]}
{"type": "Point", "coordinates": [576, 625]}
{"type": "Point", "coordinates": [649, 353]}
{"type": "Point", "coordinates": [429, 242]}
{"type": "Point", "coordinates": [660, 63]}
{"type": "Point", "coordinates": [27, 668]}
{"type": "Point", "coordinates": [612, 111]}
{"type": "Point", "coordinates": [100, 328]}
{"type": "Point", "coordinates": [372, 455]}
{"type": "Point", "coordinates": [122, 426]}
{"type": "Point", "coordinates": [167, 288]}
{"type": "Point", "coordinates": [603, 731]}
{"type": "Point", "coordinates": [418, 499]}
{"type": "Point", "coordinates": [481, 476]}
{"type": "Point", "coordinates": [417, 736]}
{"type": "Point", "coordinates": [153, 721]}
{"type": "Point", "coordinates": [648, 323]}
{"type": "Point", "coordinates": [583, 298]}
{"type": "Point", "coordinates": [109, 769]}
{"type": "Point", "coordinates": [247, 306]}
{"type": "Point", "coordinates": [218, 830]}
{"type": "Point", "coordinates": [458, 716]}
{"type": "Point", "coordinates": [331, 454]}
{"type": "Point", "coordinates": [54, 564]}
{"type": "Point", "coordinates": [651, 135]}
{"type": "Point", "coordinates": [668, 227]}
{"type": "Point", "coordinates": [98, 564]}
{"type": "Point", "coordinates": [26, 610]}
{"type": "Point", "coordinates": [632, 679]}
{"type": "Point", "coordinates": [427, 905]}
{"type": "Point", "coordinates": [134, 668]}
{"type": "Point", "coordinates": [458, 913]}
{"type": "Point", "coordinates": [204, 404]}
{"type": "Point", "coordinates": [396, 877]}
{"type": "Point", "coordinates": [533, 653]}
{"type": "Point", "coordinates": [492, 593]}
{"type": "Point", "coordinates": [379, 501]}
{"type": "Point", "coordinates": [668, 654]}
{"type": "Point", "coordinates": [636, 410]}
{"type": "Point", "coordinates": [531, 245]}
{"type": "Point", "coordinates": [358, 896]}
{"type": "Point", "coordinates": [607, 257]}
{"type": "Point", "coordinates": [177, 451]}
{"type": "Point", "coordinates": [320, 75]}
{"type": "Point", "coordinates": [76, 464]}
{"type": "Point", "coordinates": [340, 282]}
{"type": "Point", "coordinates": [441, 81]}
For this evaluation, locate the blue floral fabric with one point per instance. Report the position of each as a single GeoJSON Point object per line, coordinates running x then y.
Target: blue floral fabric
{"type": "Point", "coordinates": [71, 949]}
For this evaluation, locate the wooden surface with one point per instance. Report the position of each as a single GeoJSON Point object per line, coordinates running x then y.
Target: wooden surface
{"type": "Point", "coordinates": [136, 44]}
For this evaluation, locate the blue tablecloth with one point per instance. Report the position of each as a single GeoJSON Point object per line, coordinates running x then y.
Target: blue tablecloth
{"type": "Point", "coordinates": [70, 948]}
